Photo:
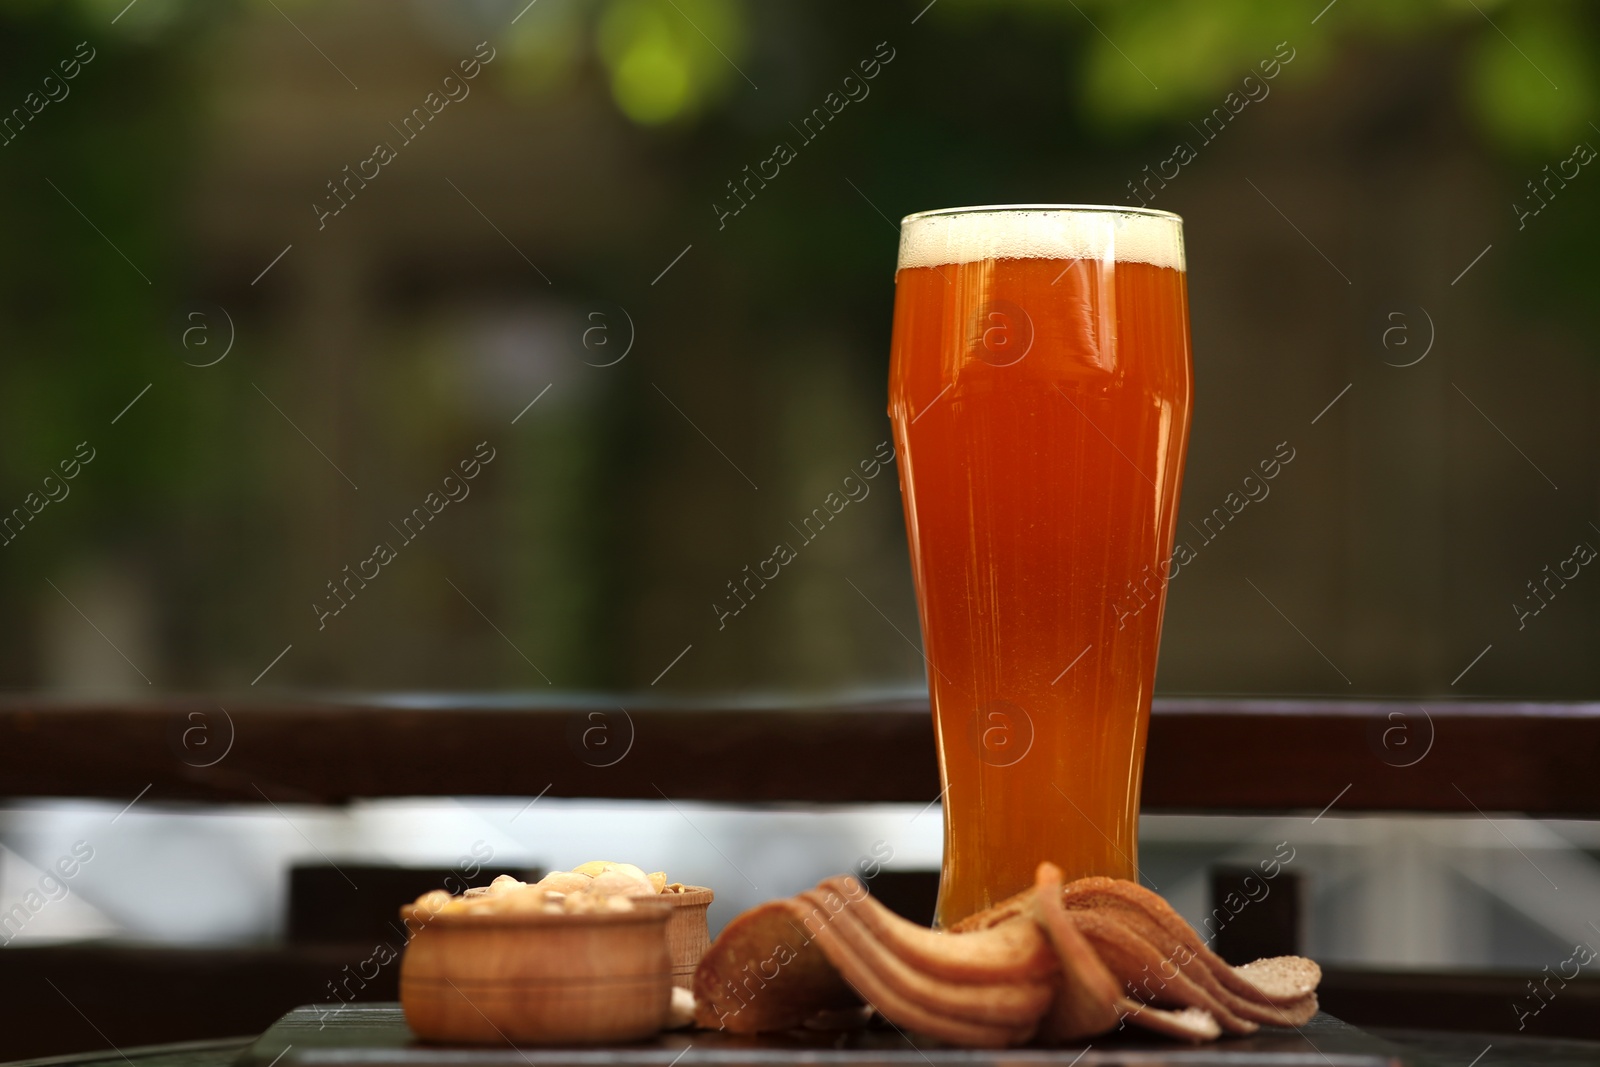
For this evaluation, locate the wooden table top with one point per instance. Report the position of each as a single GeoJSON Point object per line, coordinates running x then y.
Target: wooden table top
{"type": "Point", "coordinates": [1425, 1048]}
{"type": "Point", "coordinates": [376, 1035]}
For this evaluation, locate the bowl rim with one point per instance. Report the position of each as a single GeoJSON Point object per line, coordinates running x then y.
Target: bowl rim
{"type": "Point", "coordinates": [689, 895]}
{"type": "Point", "coordinates": [643, 912]}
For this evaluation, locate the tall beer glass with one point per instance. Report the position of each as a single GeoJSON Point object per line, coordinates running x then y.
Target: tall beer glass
{"type": "Point", "coordinates": [1040, 389]}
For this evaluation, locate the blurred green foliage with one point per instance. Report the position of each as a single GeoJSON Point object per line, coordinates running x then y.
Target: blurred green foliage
{"type": "Point", "coordinates": [93, 169]}
{"type": "Point", "coordinates": [1538, 94]}
{"type": "Point", "coordinates": [656, 59]}
{"type": "Point", "coordinates": [1527, 77]}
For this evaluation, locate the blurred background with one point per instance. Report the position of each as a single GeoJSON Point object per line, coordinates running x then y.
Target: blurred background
{"type": "Point", "coordinates": [180, 200]}
{"type": "Point", "coordinates": [273, 270]}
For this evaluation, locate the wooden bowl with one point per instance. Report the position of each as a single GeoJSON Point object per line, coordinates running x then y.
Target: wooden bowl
{"type": "Point", "coordinates": [535, 978]}
{"type": "Point", "coordinates": [688, 937]}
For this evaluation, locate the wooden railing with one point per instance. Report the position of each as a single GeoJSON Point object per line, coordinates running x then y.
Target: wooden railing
{"type": "Point", "coordinates": [1244, 755]}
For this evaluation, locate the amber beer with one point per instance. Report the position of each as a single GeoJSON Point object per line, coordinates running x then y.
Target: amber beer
{"type": "Point", "coordinates": [1040, 390]}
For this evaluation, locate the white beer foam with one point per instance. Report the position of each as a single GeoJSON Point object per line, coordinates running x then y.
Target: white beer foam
{"type": "Point", "coordinates": [968, 235]}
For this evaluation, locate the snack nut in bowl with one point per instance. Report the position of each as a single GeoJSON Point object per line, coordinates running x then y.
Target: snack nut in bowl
{"type": "Point", "coordinates": [531, 964]}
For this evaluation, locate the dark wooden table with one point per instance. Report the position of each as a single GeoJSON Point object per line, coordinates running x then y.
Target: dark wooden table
{"type": "Point", "coordinates": [1426, 1048]}
{"type": "Point", "coordinates": [376, 1035]}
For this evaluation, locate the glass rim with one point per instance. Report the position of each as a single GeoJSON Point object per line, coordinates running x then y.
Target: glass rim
{"type": "Point", "coordinates": [1001, 209]}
